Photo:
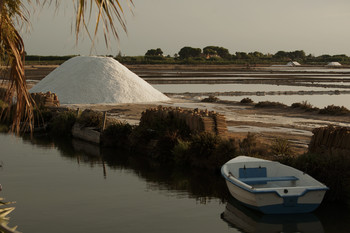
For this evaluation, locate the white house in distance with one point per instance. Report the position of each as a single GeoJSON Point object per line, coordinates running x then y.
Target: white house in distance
{"type": "Point", "coordinates": [289, 64]}
{"type": "Point", "coordinates": [293, 63]}
{"type": "Point", "coordinates": [334, 64]}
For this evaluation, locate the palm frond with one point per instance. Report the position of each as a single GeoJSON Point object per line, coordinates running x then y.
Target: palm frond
{"type": "Point", "coordinates": [12, 51]}
{"type": "Point", "coordinates": [13, 12]}
{"type": "Point", "coordinates": [108, 12]}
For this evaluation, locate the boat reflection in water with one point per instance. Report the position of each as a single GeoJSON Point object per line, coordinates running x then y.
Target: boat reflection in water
{"type": "Point", "coordinates": [248, 221]}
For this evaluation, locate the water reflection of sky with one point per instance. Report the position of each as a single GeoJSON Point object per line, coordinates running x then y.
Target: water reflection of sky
{"type": "Point", "coordinates": [308, 69]}
{"type": "Point", "coordinates": [55, 191]}
{"type": "Point", "coordinates": [246, 220]}
{"type": "Point", "coordinates": [316, 100]}
{"type": "Point", "coordinates": [319, 101]}
{"type": "Point", "coordinates": [199, 88]}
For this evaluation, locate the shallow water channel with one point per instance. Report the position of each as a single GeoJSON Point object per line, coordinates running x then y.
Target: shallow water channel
{"type": "Point", "coordinates": [319, 87]}
{"type": "Point", "coordinates": [76, 187]}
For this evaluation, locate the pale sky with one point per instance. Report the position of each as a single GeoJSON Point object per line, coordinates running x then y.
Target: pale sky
{"type": "Point", "coordinates": [268, 26]}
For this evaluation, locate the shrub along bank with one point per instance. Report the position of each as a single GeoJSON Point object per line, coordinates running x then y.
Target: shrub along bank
{"type": "Point", "coordinates": [170, 142]}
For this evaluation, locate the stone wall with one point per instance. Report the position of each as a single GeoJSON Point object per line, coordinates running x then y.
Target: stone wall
{"type": "Point", "coordinates": [47, 99]}
{"type": "Point", "coordinates": [330, 140]}
{"type": "Point", "coordinates": [196, 120]}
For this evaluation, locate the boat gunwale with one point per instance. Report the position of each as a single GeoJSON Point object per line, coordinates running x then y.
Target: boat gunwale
{"type": "Point", "coordinates": [254, 190]}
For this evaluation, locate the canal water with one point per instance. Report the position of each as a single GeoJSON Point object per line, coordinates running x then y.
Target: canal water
{"type": "Point", "coordinates": [62, 186]}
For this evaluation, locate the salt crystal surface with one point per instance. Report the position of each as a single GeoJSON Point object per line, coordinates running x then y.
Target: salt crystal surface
{"type": "Point", "coordinates": [93, 80]}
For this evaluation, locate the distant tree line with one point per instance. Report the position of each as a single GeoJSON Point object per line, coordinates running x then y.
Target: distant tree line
{"type": "Point", "coordinates": [213, 55]}
{"type": "Point", "coordinates": [221, 55]}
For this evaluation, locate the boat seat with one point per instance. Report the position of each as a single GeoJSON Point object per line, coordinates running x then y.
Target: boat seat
{"type": "Point", "coordinates": [262, 180]}
{"type": "Point", "coordinates": [258, 175]}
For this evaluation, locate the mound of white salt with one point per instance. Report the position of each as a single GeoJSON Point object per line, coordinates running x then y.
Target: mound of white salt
{"type": "Point", "coordinates": [93, 80]}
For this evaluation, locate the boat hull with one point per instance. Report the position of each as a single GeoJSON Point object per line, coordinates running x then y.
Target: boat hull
{"type": "Point", "coordinates": [272, 203]}
{"type": "Point", "coordinates": [271, 187]}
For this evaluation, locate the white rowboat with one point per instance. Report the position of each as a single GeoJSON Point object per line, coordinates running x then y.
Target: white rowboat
{"type": "Point", "coordinates": [272, 187]}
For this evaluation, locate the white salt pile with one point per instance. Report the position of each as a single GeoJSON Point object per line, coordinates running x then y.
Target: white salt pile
{"type": "Point", "coordinates": [93, 80]}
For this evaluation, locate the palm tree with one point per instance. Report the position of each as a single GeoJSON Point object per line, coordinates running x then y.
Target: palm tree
{"type": "Point", "coordinates": [13, 13]}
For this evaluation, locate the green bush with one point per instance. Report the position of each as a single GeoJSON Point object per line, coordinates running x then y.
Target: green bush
{"type": "Point", "coordinates": [210, 99]}
{"type": "Point", "coordinates": [224, 151]}
{"type": "Point", "coordinates": [181, 152]}
{"type": "Point", "coordinates": [268, 104]}
{"type": "Point", "coordinates": [281, 148]}
{"type": "Point", "coordinates": [333, 171]}
{"type": "Point", "coordinates": [304, 105]}
{"type": "Point", "coordinates": [334, 110]}
{"type": "Point", "coordinates": [90, 118]}
{"type": "Point", "coordinates": [116, 135]}
{"type": "Point", "coordinates": [4, 128]}
{"type": "Point", "coordinates": [5, 115]}
{"type": "Point", "coordinates": [42, 117]}
{"type": "Point", "coordinates": [165, 144]}
{"type": "Point", "coordinates": [61, 125]}
{"type": "Point", "coordinates": [247, 101]}
{"type": "Point", "coordinates": [141, 136]}
{"type": "Point", "coordinates": [204, 144]}
{"type": "Point", "coordinates": [161, 125]}
{"type": "Point", "coordinates": [204, 150]}
{"type": "Point", "coordinates": [3, 105]}
{"type": "Point", "coordinates": [210, 151]}
{"type": "Point", "coordinates": [248, 146]}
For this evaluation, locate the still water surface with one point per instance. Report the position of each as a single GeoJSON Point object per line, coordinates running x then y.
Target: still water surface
{"type": "Point", "coordinates": [316, 100]}
{"type": "Point", "coordinates": [76, 187]}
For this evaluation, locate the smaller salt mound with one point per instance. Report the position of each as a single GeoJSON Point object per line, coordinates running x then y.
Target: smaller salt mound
{"type": "Point", "coordinates": [94, 80]}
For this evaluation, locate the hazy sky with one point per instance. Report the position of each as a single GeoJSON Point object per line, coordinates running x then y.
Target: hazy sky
{"type": "Point", "coordinates": [315, 26]}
